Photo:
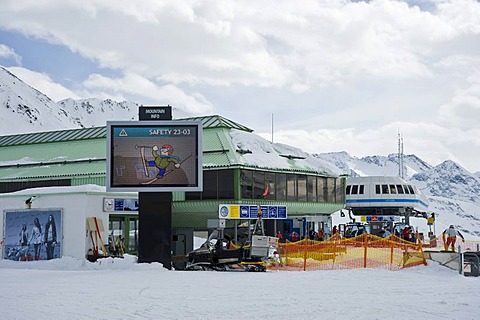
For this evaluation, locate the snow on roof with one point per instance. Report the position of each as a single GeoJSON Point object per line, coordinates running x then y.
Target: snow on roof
{"type": "Point", "coordinates": [257, 151]}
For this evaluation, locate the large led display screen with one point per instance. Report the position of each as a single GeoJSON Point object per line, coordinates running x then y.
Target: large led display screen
{"type": "Point", "coordinates": [156, 156]}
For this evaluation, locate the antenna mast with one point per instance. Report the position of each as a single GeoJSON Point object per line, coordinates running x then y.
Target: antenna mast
{"type": "Point", "coordinates": [272, 127]}
{"type": "Point", "coordinates": [400, 156]}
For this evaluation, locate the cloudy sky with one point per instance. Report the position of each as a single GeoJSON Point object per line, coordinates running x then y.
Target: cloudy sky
{"type": "Point", "coordinates": [330, 75]}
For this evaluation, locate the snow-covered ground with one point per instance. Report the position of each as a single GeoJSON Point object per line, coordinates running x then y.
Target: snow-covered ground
{"type": "Point", "coordinates": [123, 289]}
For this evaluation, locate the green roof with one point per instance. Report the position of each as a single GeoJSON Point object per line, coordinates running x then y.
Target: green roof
{"type": "Point", "coordinates": [83, 151]}
{"type": "Point", "coordinates": [208, 122]}
{"type": "Point", "coordinates": [53, 136]}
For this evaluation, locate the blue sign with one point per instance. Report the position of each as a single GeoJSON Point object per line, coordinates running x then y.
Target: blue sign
{"type": "Point", "coordinates": [268, 212]}
{"type": "Point", "coordinates": [282, 212]}
{"type": "Point", "coordinates": [244, 212]}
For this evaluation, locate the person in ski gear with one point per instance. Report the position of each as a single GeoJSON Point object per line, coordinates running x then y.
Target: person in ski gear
{"type": "Point", "coordinates": [406, 233]}
{"type": "Point", "coordinates": [279, 236]}
{"type": "Point", "coordinates": [50, 236]}
{"type": "Point", "coordinates": [163, 158]}
{"type": "Point", "coordinates": [320, 234]}
{"type": "Point", "coordinates": [451, 234]}
{"type": "Point", "coordinates": [294, 236]}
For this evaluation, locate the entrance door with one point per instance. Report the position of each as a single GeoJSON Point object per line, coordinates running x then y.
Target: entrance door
{"type": "Point", "coordinates": [125, 227]}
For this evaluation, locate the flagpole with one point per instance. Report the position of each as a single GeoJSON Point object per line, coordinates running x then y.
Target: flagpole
{"type": "Point", "coordinates": [272, 127]}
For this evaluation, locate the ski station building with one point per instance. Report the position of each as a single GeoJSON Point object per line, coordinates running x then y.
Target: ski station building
{"type": "Point", "coordinates": [61, 176]}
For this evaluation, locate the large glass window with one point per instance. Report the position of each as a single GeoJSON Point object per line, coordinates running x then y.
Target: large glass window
{"type": "Point", "coordinates": [246, 177]}
{"type": "Point", "coordinates": [258, 184]}
{"type": "Point", "coordinates": [331, 190]}
{"type": "Point", "coordinates": [209, 185]}
{"type": "Point", "coordinates": [225, 184]}
{"type": "Point", "coordinates": [292, 187]}
{"type": "Point", "coordinates": [339, 190]}
{"type": "Point", "coordinates": [302, 187]}
{"type": "Point", "coordinates": [311, 189]}
{"type": "Point", "coordinates": [322, 189]}
{"type": "Point", "coordinates": [281, 186]}
{"type": "Point", "coordinates": [216, 185]}
{"type": "Point", "coordinates": [270, 182]}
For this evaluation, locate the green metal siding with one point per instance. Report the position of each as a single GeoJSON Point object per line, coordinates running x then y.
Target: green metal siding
{"type": "Point", "coordinates": [54, 171]}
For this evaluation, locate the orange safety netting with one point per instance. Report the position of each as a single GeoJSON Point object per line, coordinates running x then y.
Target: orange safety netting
{"type": "Point", "coordinates": [364, 251]}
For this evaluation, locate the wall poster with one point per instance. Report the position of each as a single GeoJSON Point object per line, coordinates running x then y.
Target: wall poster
{"type": "Point", "coordinates": [32, 234]}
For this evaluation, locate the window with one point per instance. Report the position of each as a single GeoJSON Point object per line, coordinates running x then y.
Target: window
{"type": "Point", "coordinates": [311, 189]}
{"type": "Point", "coordinates": [217, 184]}
{"type": "Point", "coordinates": [340, 190]}
{"type": "Point", "coordinates": [291, 187]}
{"type": "Point", "coordinates": [406, 189]}
{"type": "Point", "coordinates": [411, 189]}
{"type": "Point", "coordinates": [399, 189]}
{"type": "Point", "coordinates": [385, 189]}
{"type": "Point", "coordinates": [392, 189]}
{"type": "Point", "coordinates": [322, 189]}
{"type": "Point", "coordinates": [377, 189]}
{"type": "Point", "coordinates": [302, 188]}
{"type": "Point", "coordinates": [331, 190]}
{"type": "Point", "coordinates": [348, 189]}
{"type": "Point", "coordinates": [361, 189]}
{"type": "Point", "coordinates": [281, 186]}
{"type": "Point", "coordinates": [225, 184]}
{"type": "Point", "coordinates": [270, 181]}
{"type": "Point", "coordinates": [258, 184]}
{"type": "Point", "coordinates": [246, 179]}
{"type": "Point", "coordinates": [354, 189]}
{"type": "Point", "coordinates": [209, 185]}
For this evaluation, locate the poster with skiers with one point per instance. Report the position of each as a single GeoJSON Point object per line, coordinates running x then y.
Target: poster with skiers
{"type": "Point", "coordinates": [33, 234]}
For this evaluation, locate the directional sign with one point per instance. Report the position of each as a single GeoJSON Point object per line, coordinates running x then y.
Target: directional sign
{"type": "Point", "coordinates": [236, 211]}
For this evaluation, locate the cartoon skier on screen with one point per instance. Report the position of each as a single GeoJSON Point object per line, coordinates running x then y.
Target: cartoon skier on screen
{"type": "Point", "coordinates": [162, 158]}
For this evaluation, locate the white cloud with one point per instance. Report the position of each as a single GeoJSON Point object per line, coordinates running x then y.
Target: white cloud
{"type": "Point", "coordinates": [43, 83]}
{"type": "Point", "coordinates": [9, 53]}
{"type": "Point", "coordinates": [135, 84]}
{"type": "Point", "coordinates": [342, 75]}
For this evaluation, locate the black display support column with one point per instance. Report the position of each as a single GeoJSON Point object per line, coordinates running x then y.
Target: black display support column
{"type": "Point", "coordinates": [155, 228]}
{"type": "Point", "coordinates": [155, 211]}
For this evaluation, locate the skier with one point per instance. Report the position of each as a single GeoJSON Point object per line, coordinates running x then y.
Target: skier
{"type": "Point", "coordinates": [163, 159]}
{"type": "Point", "coordinates": [451, 234]}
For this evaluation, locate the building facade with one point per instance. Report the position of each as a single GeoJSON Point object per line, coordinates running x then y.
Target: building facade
{"type": "Point", "coordinates": [239, 167]}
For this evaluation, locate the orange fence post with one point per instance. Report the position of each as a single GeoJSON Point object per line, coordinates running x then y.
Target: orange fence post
{"type": "Point", "coordinates": [305, 255]}
{"type": "Point", "coordinates": [365, 245]}
{"type": "Point", "coordinates": [420, 247]}
{"type": "Point", "coordinates": [391, 252]}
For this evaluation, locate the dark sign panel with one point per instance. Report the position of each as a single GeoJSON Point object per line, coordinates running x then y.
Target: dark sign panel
{"type": "Point", "coordinates": [154, 113]}
{"type": "Point", "coordinates": [161, 156]}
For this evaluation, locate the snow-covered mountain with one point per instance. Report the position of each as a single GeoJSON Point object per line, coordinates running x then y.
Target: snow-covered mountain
{"type": "Point", "coordinates": [454, 193]}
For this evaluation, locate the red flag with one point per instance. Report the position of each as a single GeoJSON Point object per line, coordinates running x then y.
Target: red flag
{"type": "Point", "coordinates": [266, 191]}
